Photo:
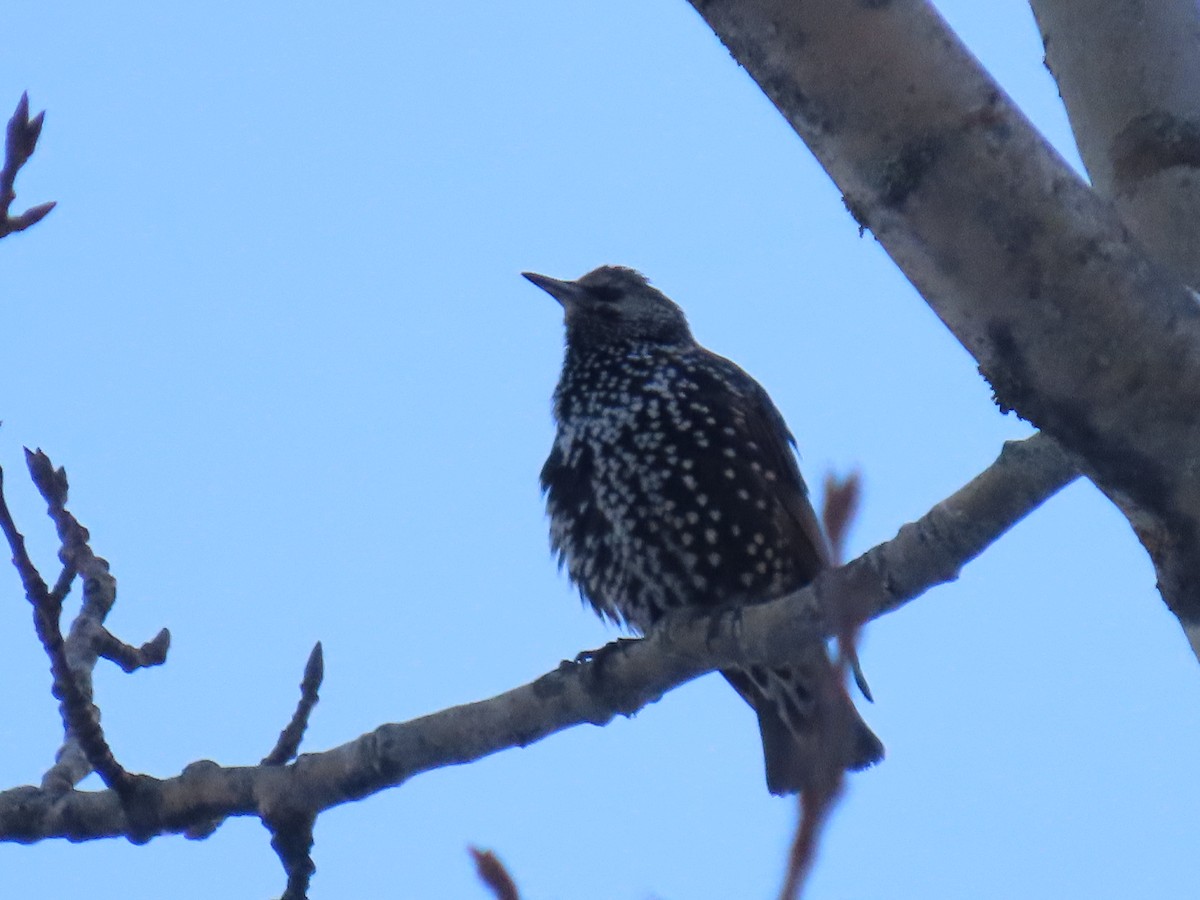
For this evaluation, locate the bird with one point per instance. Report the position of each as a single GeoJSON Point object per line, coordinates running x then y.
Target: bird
{"type": "Point", "coordinates": [672, 483]}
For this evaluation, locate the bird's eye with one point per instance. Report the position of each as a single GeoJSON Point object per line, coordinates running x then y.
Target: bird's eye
{"type": "Point", "coordinates": [605, 293]}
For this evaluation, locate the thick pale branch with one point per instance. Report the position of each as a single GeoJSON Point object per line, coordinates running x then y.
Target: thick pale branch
{"type": "Point", "coordinates": [1075, 327]}
{"type": "Point", "coordinates": [617, 680]}
{"type": "Point", "coordinates": [1129, 75]}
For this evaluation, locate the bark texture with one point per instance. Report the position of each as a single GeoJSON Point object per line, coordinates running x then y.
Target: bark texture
{"type": "Point", "coordinates": [1129, 75]}
{"type": "Point", "coordinates": [1077, 328]}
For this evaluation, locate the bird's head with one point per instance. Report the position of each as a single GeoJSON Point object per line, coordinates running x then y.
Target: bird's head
{"type": "Point", "coordinates": [612, 304]}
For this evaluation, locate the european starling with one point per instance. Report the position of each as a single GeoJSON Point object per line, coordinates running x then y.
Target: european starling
{"type": "Point", "coordinates": [672, 483]}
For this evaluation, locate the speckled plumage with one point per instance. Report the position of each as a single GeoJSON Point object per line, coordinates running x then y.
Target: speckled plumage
{"type": "Point", "coordinates": [672, 483]}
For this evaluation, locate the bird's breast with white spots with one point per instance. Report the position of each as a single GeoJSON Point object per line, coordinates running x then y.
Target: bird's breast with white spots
{"type": "Point", "coordinates": [658, 495]}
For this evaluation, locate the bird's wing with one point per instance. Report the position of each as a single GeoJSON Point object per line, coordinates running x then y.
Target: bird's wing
{"type": "Point", "coordinates": [768, 426]}
{"type": "Point", "coordinates": [764, 426]}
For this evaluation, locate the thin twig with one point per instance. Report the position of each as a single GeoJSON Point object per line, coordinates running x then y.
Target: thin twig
{"type": "Point", "coordinates": [62, 586]}
{"type": "Point", "coordinates": [80, 715]}
{"type": "Point", "coordinates": [20, 140]}
{"type": "Point", "coordinates": [842, 497]}
{"type": "Point", "coordinates": [493, 873]}
{"type": "Point", "coordinates": [35, 586]}
{"type": "Point", "coordinates": [128, 657]}
{"type": "Point", "coordinates": [292, 841]}
{"type": "Point", "coordinates": [288, 744]}
{"type": "Point", "coordinates": [816, 806]}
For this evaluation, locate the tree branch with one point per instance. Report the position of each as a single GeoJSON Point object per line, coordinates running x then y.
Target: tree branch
{"type": "Point", "coordinates": [288, 744]}
{"type": "Point", "coordinates": [1074, 326]}
{"type": "Point", "coordinates": [494, 875]}
{"type": "Point", "coordinates": [1129, 75]}
{"type": "Point", "coordinates": [20, 140]}
{"type": "Point", "coordinates": [292, 841]}
{"type": "Point", "coordinates": [81, 719]}
{"type": "Point", "coordinates": [84, 747]}
{"type": "Point", "coordinates": [617, 680]}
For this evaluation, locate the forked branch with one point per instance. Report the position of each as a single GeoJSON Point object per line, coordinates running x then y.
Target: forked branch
{"type": "Point", "coordinates": [20, 140]}
{"type": "Point", "coordinates": [619, 680]}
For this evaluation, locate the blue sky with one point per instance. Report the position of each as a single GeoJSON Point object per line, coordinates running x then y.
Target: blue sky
{"type": "Point", "coordinates": [275, 332]}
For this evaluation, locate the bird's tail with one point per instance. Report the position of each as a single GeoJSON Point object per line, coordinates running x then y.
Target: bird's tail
{"type": "Point", "coordinates": [811, 731]}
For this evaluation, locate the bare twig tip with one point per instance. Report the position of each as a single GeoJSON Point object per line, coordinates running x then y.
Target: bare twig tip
{"type": "Point", "coordinates": [288, 744]}
{"type": "Point", "coordinates": [20, 140]}
{"type": "Point", "coordinates": [493, 874]}
{"type": "Point", "coordinates": [842, 499]}
{"type": "Point", "coordinates": [156, 649]}
{"type": "Point", "coordinates": [50, 482]}
{"type": "Point", "coordinates": [314, 670]}
{"type": "Point", "coordinates": [35, 214]}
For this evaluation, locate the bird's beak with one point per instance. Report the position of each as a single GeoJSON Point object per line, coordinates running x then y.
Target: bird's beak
{"type": "Point", "coordinates": [562, 291]}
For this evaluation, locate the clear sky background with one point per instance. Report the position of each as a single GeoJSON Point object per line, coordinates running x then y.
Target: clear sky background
{"type": "Point", "coordinates": [275, 332]}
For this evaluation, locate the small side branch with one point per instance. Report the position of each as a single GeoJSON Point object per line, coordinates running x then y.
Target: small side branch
{"type": "Point", "coordinates": [292, 840]}
{"type": "Point", "coordinates": [78, 712]}
{"type": "Point", "coordinates": [493, 873]}
{"type": "Point", "coordinates": [20, 141]}
{"type": "Point", "coordinates": [816, 807]}
{"type": "Point", "coordinates": [72, 659]}
{"type": "Point", "coordinates": [288, 744]}
{"type": "Point", "coordinates": [842, 496]}
{"type": "Point", "coordinates": [130, 658]}
{"type": "Point", "coordinates": [80, 716]}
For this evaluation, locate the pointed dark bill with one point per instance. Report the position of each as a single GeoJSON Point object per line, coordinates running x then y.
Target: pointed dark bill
{"type": "Point", "coordinates": [562, 291]}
